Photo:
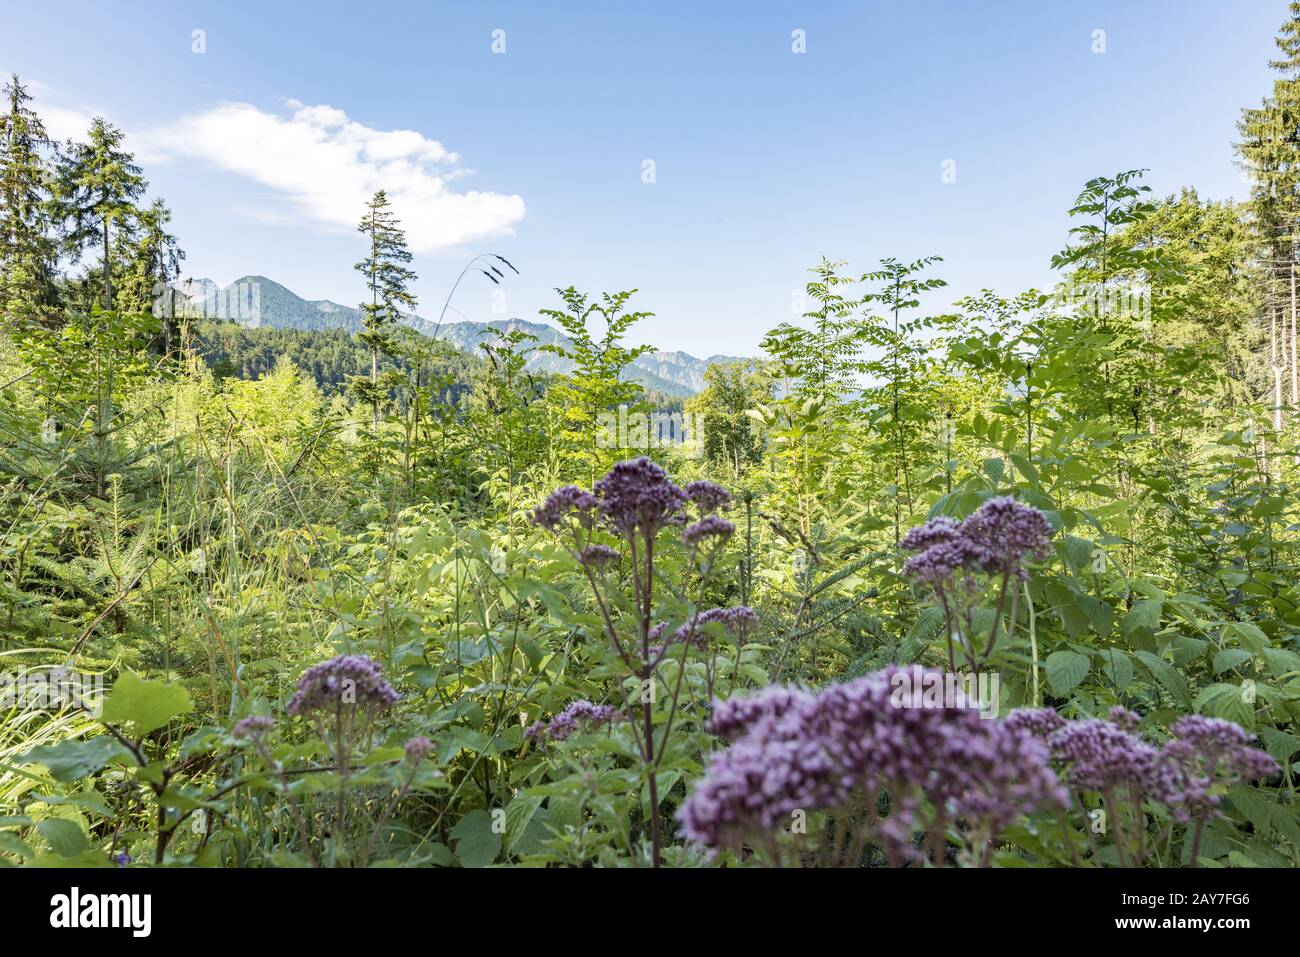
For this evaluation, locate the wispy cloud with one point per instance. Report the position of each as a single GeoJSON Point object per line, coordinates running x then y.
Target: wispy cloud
{"type": "Point", "coordinates": [327, 166]}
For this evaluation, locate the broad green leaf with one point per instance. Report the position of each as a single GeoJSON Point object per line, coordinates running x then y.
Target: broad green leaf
{"type": "Point", "coordinates": [1065, 669]}
{"type": "Point", "coordinates": [1229, 658]}
{"type": "Point", "coordinates": [148, 705]}
{"type": "Point", "coordinates": [66, 838]}
{"type": "Point", "coordinates": [478, 842]}
{"type": "Point", "coordinates": [519, 814]}
{"type": "Point", "coordinates": [1118, 667]}
{"type": "Point", "coordinates": [1143, 618]}
{"type": "Point", "coordinates": [1166, 676]}
{"type": "Point", "coordinates": [73, 758]}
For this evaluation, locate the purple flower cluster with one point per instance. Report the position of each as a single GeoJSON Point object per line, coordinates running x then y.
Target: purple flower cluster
{"type": "Point", "coordinates": [417, 749]}
{"type": "Point", "coordinates": [708, 497]}
{"type": "Point", "coordinates": [345, 681]}
{"type": "Point", "coordinates": [598, 557]}
{"type": "Point", "coordinates": [1039, 722]}
{"type": "Point", "coordinates": [1100, 756]}
{"type": "Point", "coordinates": [637, 495]}
{"type": "Point", "coordinates": [995, 539]}
{"type": "Point", "coordinates": [577, 714]}
{"type": "Point", "coordinates": [738, 621]}
{"type": "Point", "coordinates": [733, 718]}
{"type": "Point", "coordinates": [252, 728]}
{"type": "Point", "coordinates": [563, 502]}
{"type": "Point", "coordinates": [1207, 750]}
{"type": "Point", "coordinates": [1185, 774]}
{"type": "Point", "coordinates": [711, 526]}
{"type": "Point", "coordinates": [792, 750]}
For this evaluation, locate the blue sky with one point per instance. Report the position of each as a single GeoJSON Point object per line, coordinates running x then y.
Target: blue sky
{"type": "Point", "coordinates": [765, 160]}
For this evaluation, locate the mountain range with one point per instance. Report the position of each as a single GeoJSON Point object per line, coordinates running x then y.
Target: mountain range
{"type": "Point", "coordinates": [256, 300]}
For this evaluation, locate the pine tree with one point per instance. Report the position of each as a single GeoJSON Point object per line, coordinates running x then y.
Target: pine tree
{"type": "Point", "coordinates": [151, 259]}
{"type": "Point", "coordinates": [387, 278]}
{"type": "Point", "coordinates": [28, 253]}
{"type": "Point", "coordinates": [98, 183]}
{"type": "Point", "coordinates": [1270, 150]}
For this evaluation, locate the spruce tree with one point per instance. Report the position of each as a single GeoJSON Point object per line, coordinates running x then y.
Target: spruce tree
{"type": "Point", "coordinates": [1270, 148]}
{"type": "Point", "coordinates": [98, 184]}
{"type": "Point", "coordinates": [151, 260]}
{"type": "Point", "coordinates": [28, 253]}
{"type": "Point", "coordinates": [387, 278]}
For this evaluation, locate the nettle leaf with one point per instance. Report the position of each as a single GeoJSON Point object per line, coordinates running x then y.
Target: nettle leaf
{"type": "Point", "coordinates": [1143, 618]}
{"type": "Point", "coordinates": [1186, 649]}
{"type": "Point", "coordinates": [1166, 676]}
{"type": "Point", "coordinates": [1098, 613]}
{"type": "Point", "coordinates": [1227, 702]}
{"type": "Point", "coordinates": [66, 838]}
{"type": "Point", "coordinates": [1078, 552]}
{"type": "Point", "coordinates": [1280, 744]}
{"type": "Point", "coordinates": [1065, 669]}
{"type": "Point", "coordinates": [1247, 634]}
{"type": "Point", "coordinates": [519, 814]}
{"type": "Point", "coordinates": [148, 705]}
{"type": "Point", "coordinates": [1229, 658]}
{"type": "Point", "coordinates": [1118, 667]}
{"type": "Point", "coordinates": [1281, 661]}
{"type": "Point", "coordinates": [477, 842]}
{"type": "Point", "coordinates": [72, 759]}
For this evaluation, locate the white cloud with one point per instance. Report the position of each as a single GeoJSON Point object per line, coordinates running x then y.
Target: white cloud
{"type": "Point", "coordinates": [328, 165]}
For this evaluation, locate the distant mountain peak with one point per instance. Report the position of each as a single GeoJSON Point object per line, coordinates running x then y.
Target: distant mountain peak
{"type": "Point", "coordinates": [256, 300]}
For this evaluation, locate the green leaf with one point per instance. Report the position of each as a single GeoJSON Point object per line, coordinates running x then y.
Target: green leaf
{"type": "Point", "coordinates": [10, 844]}
{"type": "Point", "coordinates": [1098, 613]}
{"type": "Point", "coordinates": [66, 838]}
{"type": "Point", "coordinates": [1229, 658]}
{"type": "Point", "coordinates": [1247, 634]}
{"type": "Point", "coordinates": [73, 758]}
{"type": "Point", "coordinates": [1065, 669]}
{"type": "Point", "coordinates": [1165, 675]}
{"type": "Point", "coordinates": [519, 813]}
{"type": "Point", "coordinates": [1143, 618]}
{"type": "Point", "coordinates": [477, 843]}
{"type": "Point", "coordinates": [147, 704]}
{"type": "Point", "coordinates": [1281, 661]}
{"type": "Point", "coordinates": [1118, 667]}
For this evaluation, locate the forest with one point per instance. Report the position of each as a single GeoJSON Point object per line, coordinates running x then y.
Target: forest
{"type": "Point", "coordinates": [1006, 582]}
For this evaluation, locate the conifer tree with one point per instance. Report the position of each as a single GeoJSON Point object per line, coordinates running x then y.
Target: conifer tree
{"type": "Point", "coordinates": [387, 279]}
{"type": "Point", "coordinates": [1270, 150]}
{"type": "Point", "coordinates": [28, 253]}
{"type": "Point", "coordinates": [98, 183]}
{"type": "Point", "coordinates": [151, 259]}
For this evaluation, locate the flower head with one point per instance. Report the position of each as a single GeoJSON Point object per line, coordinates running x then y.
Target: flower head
{"type": "Point", "coordinates": [708, 496]}
{"type": "Point", "coordinates": [563, 502]}
{"type": "Point", "coordinates": [792, 750]}
{"type": "Point", "coordinates": [1206, 752]}
{"type": "Point", "coordinates": [598, 557]}
{"type": "Point", "coordinates": [637, 495]}
{"type": "Point", "coordinates": [417, 749]}
{"type": "Point", "coordinates": [711, 526]}
{"type": "Point", "coordinates": [348, 681]}
{"type": "Point", "coordinates": [578, 714]}
{"type": "Point", "coordinates": [996, 539]}
{"type": "Point", "coordinates": [1004, 532]}
{"type": "Point", "coordinates": [252, 728]}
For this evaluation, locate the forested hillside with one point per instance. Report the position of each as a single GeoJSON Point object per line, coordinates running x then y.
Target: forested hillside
{"type": "Point", "coordinates": [1006, 581]}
